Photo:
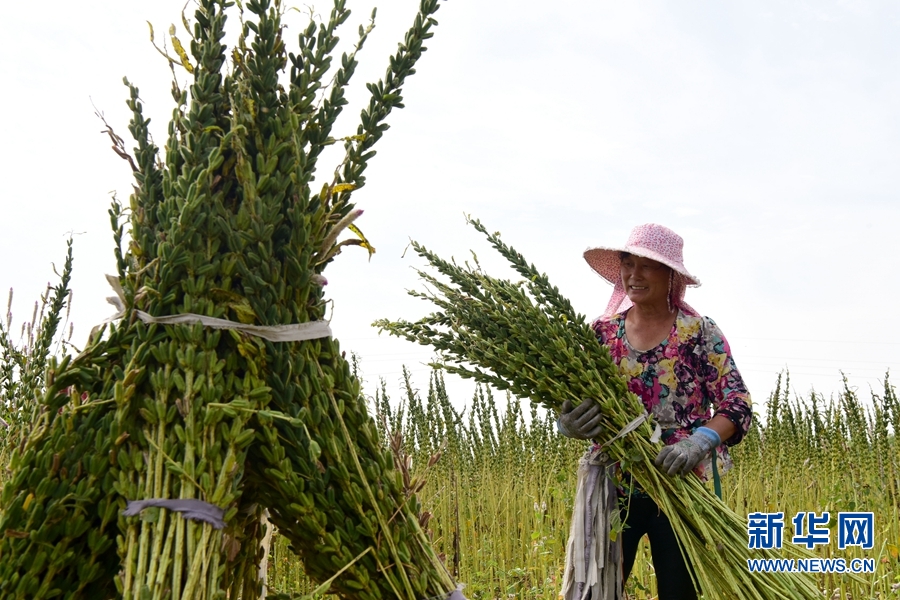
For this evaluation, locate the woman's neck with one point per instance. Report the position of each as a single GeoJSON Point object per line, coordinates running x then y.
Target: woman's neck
{"type": "Point", "coordinates": [654, 313]}
{"type": "Point", "coordinates": [647, 329]}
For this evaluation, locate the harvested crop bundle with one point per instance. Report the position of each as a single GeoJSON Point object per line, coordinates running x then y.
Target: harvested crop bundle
{"type": "Point", "coordinates": [219, 392]}
{"type": "Point", "coordinates": [525, 337]}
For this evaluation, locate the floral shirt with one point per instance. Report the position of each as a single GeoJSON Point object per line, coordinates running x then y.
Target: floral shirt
{"type": "Point", "coordinates": [684, 381]}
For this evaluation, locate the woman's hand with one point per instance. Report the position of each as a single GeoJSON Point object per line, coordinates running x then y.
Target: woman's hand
{"type": "Point", "coordinates": [683, 456]}
{"type": "Point", "coordinates": [581, 422]}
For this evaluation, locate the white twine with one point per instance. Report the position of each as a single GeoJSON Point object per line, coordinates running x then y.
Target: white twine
{"type": "Point", "coordinates": [657, 432]}
{"type": "Point", "coordinates": [295, 332]}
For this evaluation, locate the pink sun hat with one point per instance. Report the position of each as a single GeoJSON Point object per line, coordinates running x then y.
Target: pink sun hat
{"type": "Point", "coordinates": [649, 241]}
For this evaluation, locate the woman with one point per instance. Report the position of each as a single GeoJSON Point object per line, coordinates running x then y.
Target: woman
{"type": "Point", "coordinates": [679, 364]}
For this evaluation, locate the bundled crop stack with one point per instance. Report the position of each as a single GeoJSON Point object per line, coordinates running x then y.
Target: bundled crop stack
{"type": "Point", "coordinates": [525, 337]}
{"type": "Point", "coordinates": [219, 387]}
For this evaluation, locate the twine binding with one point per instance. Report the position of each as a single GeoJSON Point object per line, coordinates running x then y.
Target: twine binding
{"type": "Point", "coordinates": [193, 509]}
{"type": "Point", "coordinates": [295, 332]}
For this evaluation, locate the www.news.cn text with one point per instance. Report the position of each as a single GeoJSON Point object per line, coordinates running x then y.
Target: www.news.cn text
{"type": "Point", "coordinates": [811, 565]}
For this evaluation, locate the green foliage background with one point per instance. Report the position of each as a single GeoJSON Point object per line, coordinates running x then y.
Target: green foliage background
{"type": "Point", "coordinates": [500, 494]}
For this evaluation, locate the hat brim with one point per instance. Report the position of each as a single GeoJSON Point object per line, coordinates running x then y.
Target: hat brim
{"type": "Point", "coordinates": [606, 262]}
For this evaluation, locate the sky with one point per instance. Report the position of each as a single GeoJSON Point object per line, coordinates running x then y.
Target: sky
{"type": "Point", "coordinates": [765, 133]}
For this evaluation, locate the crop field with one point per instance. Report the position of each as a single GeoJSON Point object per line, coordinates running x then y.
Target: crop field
{"type": "Point", "coordinates": [497, 481]}
{"type": "Point", "coordinates": [501, 493]}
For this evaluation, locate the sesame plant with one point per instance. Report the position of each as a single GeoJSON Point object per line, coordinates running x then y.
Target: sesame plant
{"type": "Point", "coordinates": [500, 498]}
{"type": "Point", "coordinates": [218, 392]}
{"type": "Point", "coordinates": [23, 359]}
{"type": "Point", "coordinates": [508, 473]}
{"type": "Point", "coordinates": [497, 500]}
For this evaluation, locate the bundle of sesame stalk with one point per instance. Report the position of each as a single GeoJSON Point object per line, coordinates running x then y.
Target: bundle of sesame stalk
{"type": "Point", "coordinates": [525, 337]}
{"type": "Point", "coordinates": [217, 392]}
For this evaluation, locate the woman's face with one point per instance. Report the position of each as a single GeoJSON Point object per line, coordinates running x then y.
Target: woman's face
{"type": "Point", "coordinates": [646, 281]}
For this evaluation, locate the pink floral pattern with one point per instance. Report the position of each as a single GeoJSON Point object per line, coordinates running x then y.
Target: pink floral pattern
{"type": "Point", "coordinates": [685, 380]}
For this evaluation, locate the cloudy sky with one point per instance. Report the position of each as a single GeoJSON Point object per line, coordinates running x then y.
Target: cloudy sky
{"type": "Point", "coordinates": [763, 132]}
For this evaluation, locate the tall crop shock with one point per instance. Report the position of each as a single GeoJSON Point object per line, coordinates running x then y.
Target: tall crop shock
{"type": "Point", "coordinates": [226, 227]}
{"type": "Point", "coordinates": [525, 337]}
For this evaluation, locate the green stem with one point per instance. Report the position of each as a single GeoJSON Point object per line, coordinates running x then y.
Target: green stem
{"type": "Point", "coordinates": [191, 435]}
{"type": "Point", "coordinates": [198, 559]}
{"type": "Point", "coordinates": [178, 562]}
{"type": "Point", "coordinates": [173, 462]}
{"type": "Point", "coordinates": [129, 561]}
{"type": "Point", "coordinates": [144, 541]}
{"type": "Point", "coordinates": [163, 523]}
{"type": "Point", "coordinates": [351, 446]}
{"type": "Point", "coordinates": [159, 583]}
{"type": "Point", "coordinates": [327, 583]}
{"type": "Point", "coordinates": [158, 492]}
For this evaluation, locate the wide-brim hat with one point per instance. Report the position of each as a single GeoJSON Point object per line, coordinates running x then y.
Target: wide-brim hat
{"type": "Point", "coordinates": [649, 241]}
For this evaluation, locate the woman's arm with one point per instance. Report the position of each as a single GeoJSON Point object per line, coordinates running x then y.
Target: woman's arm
{"type": "Point", "coordinates": [723, 426]}
{"type": "Point", "coordinates": [725, 387]}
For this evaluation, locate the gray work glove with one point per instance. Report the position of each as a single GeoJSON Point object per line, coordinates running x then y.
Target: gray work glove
{"type": "Point", "coordinates": [581, 422]}
{"type": "Point", "coordinates": [683, 456]}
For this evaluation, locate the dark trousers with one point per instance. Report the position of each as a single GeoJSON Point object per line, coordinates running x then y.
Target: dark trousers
{"type": "Point", "coordinates": [673, 579]}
